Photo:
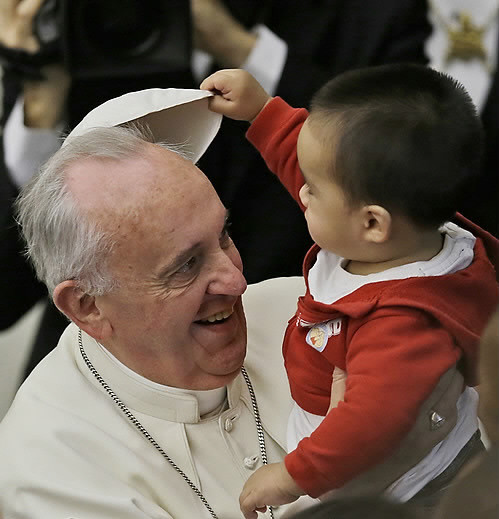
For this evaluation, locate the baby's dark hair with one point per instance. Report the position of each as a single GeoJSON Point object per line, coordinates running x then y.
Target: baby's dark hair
{"type": "Point", "coordinates": [407, 138]}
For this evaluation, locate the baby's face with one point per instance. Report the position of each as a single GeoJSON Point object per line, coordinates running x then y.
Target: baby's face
{"type": "Point", "coordinates": [330, 218]}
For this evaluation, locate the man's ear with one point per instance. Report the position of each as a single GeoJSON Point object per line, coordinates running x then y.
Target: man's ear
{"type": "Point", "coordinates": [82, 310]}
{"type": "Point", "coordinates": [376, 223]}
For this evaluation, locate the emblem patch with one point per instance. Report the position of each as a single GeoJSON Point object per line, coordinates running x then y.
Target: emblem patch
{"type": "Point", "coordinates": [319, 334]}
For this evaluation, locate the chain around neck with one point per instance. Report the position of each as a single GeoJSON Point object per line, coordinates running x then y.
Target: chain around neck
{"type": "Point", "coordinates": [132, 418]}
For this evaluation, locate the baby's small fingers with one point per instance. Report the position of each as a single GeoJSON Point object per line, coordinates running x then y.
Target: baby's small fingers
{"type": "Point", "coordinates": [219, 105]}
{"type": "Point", "coordinates": [221, 80]}
{"type": "Point", "coordinates": [207, 83]}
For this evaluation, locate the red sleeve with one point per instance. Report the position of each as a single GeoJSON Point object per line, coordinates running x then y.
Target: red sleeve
{"type": "Point", "coordinates": [393, 363]}
{"type": "Point", "coordinates": [274, 133]}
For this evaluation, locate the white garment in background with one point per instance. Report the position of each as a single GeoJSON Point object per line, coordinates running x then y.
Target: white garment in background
{"type": "Point", "coordinates": [472, 74]}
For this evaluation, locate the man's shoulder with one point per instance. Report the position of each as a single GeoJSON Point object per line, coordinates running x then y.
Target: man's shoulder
{"type": "Point", "coordinates": [54, 391]}
{"type": "Point", "coordinates": [268, 307]}
{"type": "Point", "coordinates": [274, 295]}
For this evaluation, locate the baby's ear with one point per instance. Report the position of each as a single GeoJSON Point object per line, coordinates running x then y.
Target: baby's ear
{"type": "Point", "coordinates": [376, 223]}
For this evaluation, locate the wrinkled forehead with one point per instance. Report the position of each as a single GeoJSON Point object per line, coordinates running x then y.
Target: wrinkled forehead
{"type": "Point", "coordinates": [113, 187]}
{"type": "Point", "coordinates": [154, 220]}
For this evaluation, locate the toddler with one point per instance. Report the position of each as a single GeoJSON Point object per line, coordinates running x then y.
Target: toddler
{"type": "Point", "coordinates": [381, 353]}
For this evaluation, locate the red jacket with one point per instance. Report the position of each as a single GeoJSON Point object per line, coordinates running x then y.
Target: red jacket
{"type": "Point", "coordinates": [395, 340]}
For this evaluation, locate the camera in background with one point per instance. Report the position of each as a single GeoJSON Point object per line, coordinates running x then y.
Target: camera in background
{"type": "Point", "coordinates": [116, 38]}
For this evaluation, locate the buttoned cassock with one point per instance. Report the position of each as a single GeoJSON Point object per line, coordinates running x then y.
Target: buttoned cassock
{"type": "Point", "coordinates": [66, 450]}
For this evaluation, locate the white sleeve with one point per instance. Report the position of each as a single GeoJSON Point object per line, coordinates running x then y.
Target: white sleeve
{"type": "Point", "coordinates": [26, 149]}
{"type": "Point", "coordinates": [267, 59]}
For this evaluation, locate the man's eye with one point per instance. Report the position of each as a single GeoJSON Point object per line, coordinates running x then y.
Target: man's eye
{"type": "Point", "coordinates": [225, 239]}
{"type": "Point", "coordinates": [187, 266]}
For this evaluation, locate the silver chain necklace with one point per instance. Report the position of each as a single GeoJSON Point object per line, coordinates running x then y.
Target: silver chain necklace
{"type": "Point", "coordinates": [124, 409]}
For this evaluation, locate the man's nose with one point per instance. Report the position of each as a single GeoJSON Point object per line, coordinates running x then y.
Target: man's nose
{"type": "Point", "coordinates": [227, 275]}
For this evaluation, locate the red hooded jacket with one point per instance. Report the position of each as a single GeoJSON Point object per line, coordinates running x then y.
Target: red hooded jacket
{"type": "Point", "coordinates": [395, 339]}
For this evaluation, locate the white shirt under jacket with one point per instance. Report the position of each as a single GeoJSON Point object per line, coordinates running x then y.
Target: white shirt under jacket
{"type": "Point", "coordinates": [67, 451]}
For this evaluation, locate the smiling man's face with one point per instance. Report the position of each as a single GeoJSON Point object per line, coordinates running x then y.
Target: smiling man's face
{"type": "Point", "coordinates": [176, 317]}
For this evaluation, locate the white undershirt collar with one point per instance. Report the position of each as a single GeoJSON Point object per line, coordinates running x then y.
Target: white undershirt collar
{"type": "Point", "coordinates": [328, 280]}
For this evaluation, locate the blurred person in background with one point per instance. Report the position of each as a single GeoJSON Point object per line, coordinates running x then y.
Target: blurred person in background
{"type": "Point", "coordinates": [465, 44]}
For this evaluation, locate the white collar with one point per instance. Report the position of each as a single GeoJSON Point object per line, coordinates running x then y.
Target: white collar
{"type": "Point", "coordinates": [208, 400]}
{"type": "Point", "coordinates": [140, 394]}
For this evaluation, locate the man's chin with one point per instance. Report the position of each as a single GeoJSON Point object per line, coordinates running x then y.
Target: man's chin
{"type": "Point", "coordinates": [220, 378]}
{"type": "Point", "coordinates": [230, 361]}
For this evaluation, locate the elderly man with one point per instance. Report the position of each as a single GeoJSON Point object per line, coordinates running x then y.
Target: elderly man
{"type": "Point", "coordinates": [144, 409]}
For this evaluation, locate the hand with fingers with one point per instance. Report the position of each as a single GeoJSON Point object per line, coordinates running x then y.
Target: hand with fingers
{"type": "Point", "coordinates": [218, 33]}
{"type": "Point", "coordinates": [44, 96]}
{"type": "Point", "coordinates": [238, 94]}
{"type": "Point", "coordinates": [16, 24]}
{"type": "Point", "coordinates": [270, 485]}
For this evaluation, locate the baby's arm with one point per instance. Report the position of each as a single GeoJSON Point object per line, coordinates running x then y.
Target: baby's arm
{"type": "Point", "coordinates": [390, 374]}
{"type": "Point", "coordinates": [274, 133]}
{"type": "Point", "coordinates": [238, 94]}
{"type": "Point", "coordinates": [270, 485]}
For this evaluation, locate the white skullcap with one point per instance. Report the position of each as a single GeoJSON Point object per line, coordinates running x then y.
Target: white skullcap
{"type": "Point", "coordinates": [174, 115]}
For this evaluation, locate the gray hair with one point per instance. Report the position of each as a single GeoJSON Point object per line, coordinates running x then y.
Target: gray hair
{"type": "Point", "coordinates": [61, 241]}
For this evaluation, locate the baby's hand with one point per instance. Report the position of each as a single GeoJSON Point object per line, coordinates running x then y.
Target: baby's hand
{"type": "Point", "coordinates": [238, 94]}
{"type": "Point", "coordinates": [270, 485]}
